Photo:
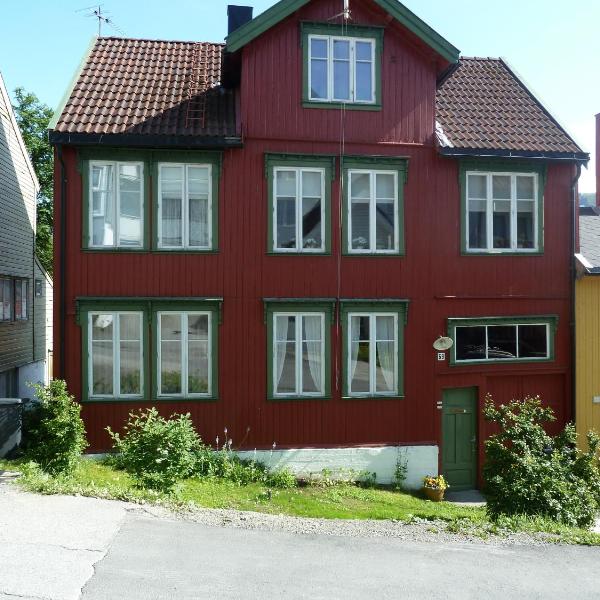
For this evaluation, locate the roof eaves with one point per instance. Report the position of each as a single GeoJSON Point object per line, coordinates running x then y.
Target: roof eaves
{"type": "Point", "coordinates": [582, 157]}
{"type": "Point", "coordinates": [536, 98]}
{"type": "Point", "coordinates": [257, 26]}
{"type": "Point", "coordinates": [69, 91]}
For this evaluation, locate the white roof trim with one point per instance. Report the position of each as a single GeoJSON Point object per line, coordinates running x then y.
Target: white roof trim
{"type": "Point", "coordinates": [441, 136]}
{"type": "Point", "coordinates": [584, 261]}
{"type": "Point", "coordinates": [11, 115]}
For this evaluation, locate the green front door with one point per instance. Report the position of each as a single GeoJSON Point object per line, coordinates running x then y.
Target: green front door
{"type": "Point", "coordinates": [459, 438]}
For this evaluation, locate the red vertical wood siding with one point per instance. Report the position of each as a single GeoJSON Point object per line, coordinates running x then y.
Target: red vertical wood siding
{"type": "Point", "coordinates": [439, 282]}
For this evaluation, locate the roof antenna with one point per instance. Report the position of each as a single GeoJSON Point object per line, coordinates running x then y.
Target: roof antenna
{"type": "Point", "coordinates": [103, 17]}
{"type": "Point", "coordinates": [345, 13]}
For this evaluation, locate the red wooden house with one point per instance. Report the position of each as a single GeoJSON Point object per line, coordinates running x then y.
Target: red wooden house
{"type": "Point", "coordinates": [272, 233]}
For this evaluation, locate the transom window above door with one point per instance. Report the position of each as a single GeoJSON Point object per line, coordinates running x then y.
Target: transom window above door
{"type": "Point", "coordinates": [502, 212]}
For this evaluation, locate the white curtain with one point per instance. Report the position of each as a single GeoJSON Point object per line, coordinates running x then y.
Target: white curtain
{"type": "Point", "coordinates": [354, 338]}
{"type": "Point", "coordinates": [312, 328]}
{"type": "Point", "coordinates": [281, 325]}
{"type": "Point", "coordinates": [385, 349]}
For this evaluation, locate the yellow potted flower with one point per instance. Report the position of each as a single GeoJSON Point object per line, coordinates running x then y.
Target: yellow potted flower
{"type": "Point", "coordinates": [434, 487]}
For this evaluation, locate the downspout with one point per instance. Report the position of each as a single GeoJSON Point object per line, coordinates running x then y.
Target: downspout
{"type": "Point", "coordinates": [573, 273]}
{"type": "Point", "coordinates": [62, 262]}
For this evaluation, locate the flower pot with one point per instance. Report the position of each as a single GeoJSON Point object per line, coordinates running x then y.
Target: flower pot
{"type": "Point", "coordinates": [434, 495]}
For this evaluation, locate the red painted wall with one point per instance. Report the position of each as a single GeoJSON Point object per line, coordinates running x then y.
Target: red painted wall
{"type": "Point", "coordinates": [439, 282]}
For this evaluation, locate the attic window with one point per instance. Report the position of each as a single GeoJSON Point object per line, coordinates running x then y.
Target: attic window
{"type": "Point", "coordinates": [342, 65]}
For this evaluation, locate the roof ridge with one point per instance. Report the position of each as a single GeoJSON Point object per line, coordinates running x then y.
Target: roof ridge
{"type": "Point", "coordinates": [490, 58]}
{"type": "Point", "coordinates": [134, 39]}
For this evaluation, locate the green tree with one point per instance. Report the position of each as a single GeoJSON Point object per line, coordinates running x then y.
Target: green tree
{"type": "Point", "coordinates": [33, 118]}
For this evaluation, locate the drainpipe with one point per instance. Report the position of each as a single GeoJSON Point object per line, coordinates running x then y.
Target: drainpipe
{"type": "Point", "coordinates": [62, 263]}
{"type": "Point", "coordinates": [574, 226]}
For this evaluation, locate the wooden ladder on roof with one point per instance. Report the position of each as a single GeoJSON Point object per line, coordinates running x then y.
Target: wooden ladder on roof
{"type": "Point", "coordinates": [197, 84]}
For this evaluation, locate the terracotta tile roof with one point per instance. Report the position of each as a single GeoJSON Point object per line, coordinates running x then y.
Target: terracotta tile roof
{"type": "Point", "coordinates": [482, 104]}
{"type": "Point", "coordinates": [131, 86]}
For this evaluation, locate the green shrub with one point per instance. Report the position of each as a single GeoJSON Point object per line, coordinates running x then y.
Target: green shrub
{"type": "Point", "coordinates": [225, 464]}
{"type": "Point", "coordinates": [528, 472]}
{"type": "Point", "coordinates": [155, 451]}
{"type": "Point", "coordinates": [53, 432]}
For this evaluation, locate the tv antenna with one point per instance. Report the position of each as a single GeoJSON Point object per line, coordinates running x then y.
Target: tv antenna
{"type": "Point", "coordinates": [103, 17]}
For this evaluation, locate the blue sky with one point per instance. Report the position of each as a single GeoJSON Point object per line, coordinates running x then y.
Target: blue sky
{"type": "Point", "coordinates": [555, 48]}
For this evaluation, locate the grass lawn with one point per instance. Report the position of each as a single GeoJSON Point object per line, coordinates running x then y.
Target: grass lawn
{"type": "Point", "coordinates": [343, 501]}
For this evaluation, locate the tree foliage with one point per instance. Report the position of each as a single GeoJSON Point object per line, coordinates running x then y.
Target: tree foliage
{"type": "Point", "coordinates": [33, 118]}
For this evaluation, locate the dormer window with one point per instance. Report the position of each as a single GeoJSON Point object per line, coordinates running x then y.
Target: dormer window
{"type": "Point", "coordinates": [342, 66]}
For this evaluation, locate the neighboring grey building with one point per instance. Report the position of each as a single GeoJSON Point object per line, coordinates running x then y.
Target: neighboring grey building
{"type": "Point", "coordinates": [25, 288]}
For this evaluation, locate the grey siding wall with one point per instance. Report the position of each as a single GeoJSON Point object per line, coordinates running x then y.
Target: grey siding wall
{"type": "Point", "coordinates": [42, 316]}
{"type": "Point", "coordinates": [17, 235]}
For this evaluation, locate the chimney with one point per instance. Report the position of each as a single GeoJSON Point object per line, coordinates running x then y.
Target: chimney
{"type": "Point", "coordinates": [237, 16]}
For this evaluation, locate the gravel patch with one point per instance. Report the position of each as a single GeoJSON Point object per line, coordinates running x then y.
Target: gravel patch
{"type": "Point", "coordinates": [418, 530]}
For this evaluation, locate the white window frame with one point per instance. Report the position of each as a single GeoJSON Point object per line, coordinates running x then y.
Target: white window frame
{"type": "Point", "coordinates": [513, 213]}
{"type": "Point", "coordinates": [298, 210]}
{"type": "Point", "coordinates": [184, 354]}
{"type": "Point", "coordinates": [352, 80]}
{"type": "Point", "coordinates": [116, 342]}
{"type": "Point", "coordinates": [117, 192]}
{"type": "Point", "coordinates": [185, 217]}
{"type": "Point", "coordinates": [504, 360]}
{"type": "Point", "coordinates": [11, 308]}
{"type": "Point", "coordinates": [372, 356]}
{"type": "Point", "coordinates": [372, 249]}
{"type": "Point", "coordinates": [298, 356]}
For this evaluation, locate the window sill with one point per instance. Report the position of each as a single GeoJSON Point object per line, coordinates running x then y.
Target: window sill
{"type": "Point", "coordinates": [297, 253]}
{"type": "Point", "coordinates": [340, 105]}
{"type": "Point", "coordinates": [507, 361]}
{"type": "Point", "coordinates": [111, 250]}
{"type": "Point", "coordinates": [296, 398]}
{"type": "Point", "coordinates": [374, 397]}
{"type": "Point", "coordinates": [396, 254]}
{"type": "Point", "coordinates": [145, 400]}
{"type": "Point", "coordinates": [184, 251]}
{"type": "Point", "coordinates": [502, 253]}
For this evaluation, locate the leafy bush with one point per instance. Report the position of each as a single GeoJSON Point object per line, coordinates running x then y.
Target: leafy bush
{"type": "Point", "coordinates": [225, 464]}
{"type": "Point", "coordinates": [528, 472]}
{"type": "Point", "coordinates": [53, 432]}
{"type": "Point", "coordinates": [155, 451]}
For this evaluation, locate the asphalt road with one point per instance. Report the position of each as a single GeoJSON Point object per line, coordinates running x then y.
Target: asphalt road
{"type": "Point", "coordinates": [152, 559]}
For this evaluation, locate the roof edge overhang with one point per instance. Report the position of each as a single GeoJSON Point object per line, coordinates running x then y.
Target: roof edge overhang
{"type": "Point", "coordinates": [577, 157]}
{"type": "Point", "coordinates": [145, 140]}
{"type": "Point", "coordinates": [270, 17]}
{"type": "Point", "coordinates": [586, 266]}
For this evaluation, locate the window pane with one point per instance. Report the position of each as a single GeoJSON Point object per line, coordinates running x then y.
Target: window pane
{"type": "Point", "coordinates": [285, 183]}
{"type": "Point", "coordinates": [360, 225]}
{"type": "Point", "coordinates": [533, 342]}
{"type": "Point", "coordinates": [359, 354]}
{"type": "Point", "coordinates": [102, 354]}
{"type": "Point", "coordinates": [360, 184]}
{"type": "Point", "coordinates": [502, 341]}
{"type": "Point", "coordinates": [525, 188]}
{"type": "Point", "coordinates": [364, 82]}
{"type": "Point", "coordinates": [501, 223]}
{"type": "Point", "coordinates": [341, 80]}
{"type": "Point", "coordinates": [501, 187]}
{"type": "Point", "coordinates": [525, 224]}
{"type": "Point", "coordinates": [318, 48]}
{"type": "Point", "coordinates": [384, 186]}
{"type": "Point", "coordinates": [198, 209]}
{"type": "Point", "coordinates": [130, 354]}
{"type": "Point", "coordinates": [318, 79]}
{"type": "Point", "coordinates": [284, 362]}
{"type": "Point", "coordinates": [197, 327]}
{"type": "Point", "coordinates": [171, 205]}
{"type": "Point", "coordinates": [198, 367]}
{"type": "Point", "coordinates": [286, 222]}
{"type": "Point", "coordinates": [103, 205]}
{"type": "Point", "coordinates": [341, 49]}
{"type": "Point", "coordinates": [170, 359]}
{"type": "Point", "coordinates": [311, 223]}
{"type": "Point", "coordinates": [312, 355]}
{"type": "Point", "coordinates": [364, 50]}
{"type": "Point", "coordinates": [130, 200]}
{"type": "Point", "coordinates": [477, 224]}
{"type": "Point", "coordinates": [311, 184]}
{"type": "Point", "coordinates": [385, 366]}
{"type": "Point", "coordinates": [477, 185]}
{"type": "Point", "coordinates": [470, 343]}
{"type": "Point", "coordinates": [6, 291]}
{"type": "Point", "coordinates": [18, 300]}
{"type": "Point", "coordinates": [384, 225]}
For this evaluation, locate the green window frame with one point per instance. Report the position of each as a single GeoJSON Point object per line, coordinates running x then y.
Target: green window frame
{"type": "Point", "coordinates": [87, 159]}
{"type": "Point", "coordinates": [150, 160]}
{"type": "Point", "coordinates": [374, 166]}
{"type": "Point", "coordinates": [299, 308]}
{"type": "Point", "coordinates": [550, 322]}
{"type": "Point", "coordinates": [398, 308]}
{"type": "Point", "coordinates": [352, 33]}
{"type": "Point", "coordinates": [495, 170]}
{"type": "Point", "coordinates": [298, 164]}
{"type": "Point", "coordinates": [148, 308]}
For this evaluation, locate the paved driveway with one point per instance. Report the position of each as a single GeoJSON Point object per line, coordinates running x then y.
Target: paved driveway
{"type": "Point", "coordinates": [65, 548]}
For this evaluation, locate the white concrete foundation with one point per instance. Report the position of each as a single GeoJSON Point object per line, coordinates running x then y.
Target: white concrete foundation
{"type": "Point", "coordinates": [35, 372]}
{"type": "Point", "coordinates": [381, 460]}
